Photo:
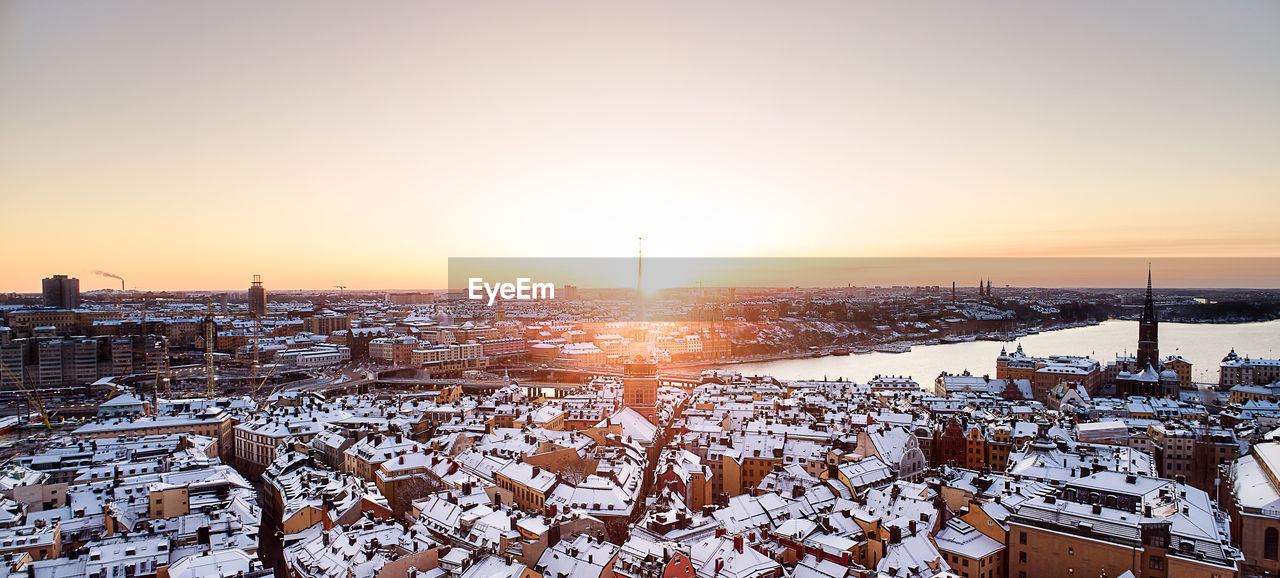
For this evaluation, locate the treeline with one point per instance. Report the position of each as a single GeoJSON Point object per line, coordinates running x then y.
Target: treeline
{"type": "Point", "coordinates": [1222, 312]}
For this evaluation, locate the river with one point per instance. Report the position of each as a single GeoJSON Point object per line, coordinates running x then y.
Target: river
{"type": "Point", "coordinates": [1203, 344]}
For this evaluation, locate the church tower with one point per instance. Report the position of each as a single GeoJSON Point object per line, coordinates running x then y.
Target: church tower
{"type": "Point", "coordinates": [1148, 342]}
{"type": "Point", "coordinates": [640, 388]}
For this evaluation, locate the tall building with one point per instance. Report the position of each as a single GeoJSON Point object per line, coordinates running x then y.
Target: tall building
{"type": "Point", "coordinates": [62, 292]}
{"type": "Point", "coordinates": [1148, 342]}
{"type": "Point", "coordinates": [66, 362]}
{"type": "Point", "coordinates": [640, 388]}
{"type": "Point", "coordinates": [257, 298]}
{"type": "Point", "coordinates": [14, 356]}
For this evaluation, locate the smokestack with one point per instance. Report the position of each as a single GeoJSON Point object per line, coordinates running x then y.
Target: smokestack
{"type": "Point", "coordinates": [111, 276]}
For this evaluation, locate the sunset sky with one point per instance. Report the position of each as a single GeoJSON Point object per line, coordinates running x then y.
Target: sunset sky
{"type": "Point", "coordinates": [191, 145]}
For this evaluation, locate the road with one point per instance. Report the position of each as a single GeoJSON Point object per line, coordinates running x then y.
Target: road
{"type": "Point", "coordinates": [1212, 399]}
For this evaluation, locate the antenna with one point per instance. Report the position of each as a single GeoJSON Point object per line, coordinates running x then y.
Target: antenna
{"type": "Point", "coordinates": [639, 278]}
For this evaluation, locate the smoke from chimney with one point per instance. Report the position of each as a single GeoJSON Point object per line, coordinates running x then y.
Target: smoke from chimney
{"type": "Point", "coordinates": [112, 276]}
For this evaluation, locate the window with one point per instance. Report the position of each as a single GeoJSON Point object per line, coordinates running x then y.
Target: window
{"type": "Point", "coordinates": [1157, 562]}
{"type": "Point", "coordinates": [1022, 557]}
{"type": "Point", "coordinates": [1022, 537]}
{"type": "Point", "coordinates": [1271, 544]}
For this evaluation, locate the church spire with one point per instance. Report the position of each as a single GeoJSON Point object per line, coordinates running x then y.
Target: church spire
{"type": "Point", "coordinates": [1148, 342]}
{"type": "Point", "coordinates": [1149, 306]}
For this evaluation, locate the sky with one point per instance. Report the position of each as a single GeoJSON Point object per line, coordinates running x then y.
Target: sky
{"type": "Point", "coordinates": [191, 145]}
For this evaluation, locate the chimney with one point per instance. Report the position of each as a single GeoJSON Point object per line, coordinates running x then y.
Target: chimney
{"type": "Point", "coordinates": [737, 543]}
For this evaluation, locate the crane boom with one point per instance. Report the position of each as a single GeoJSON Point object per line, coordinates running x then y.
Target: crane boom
{"type": "Point", "coordinates": [265, 378]}
{"type": "Point", "coordinates": [33, 398]}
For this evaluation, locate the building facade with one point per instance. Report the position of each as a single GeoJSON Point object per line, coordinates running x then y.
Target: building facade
{"type": "Point", "coordinates": [61, 291]}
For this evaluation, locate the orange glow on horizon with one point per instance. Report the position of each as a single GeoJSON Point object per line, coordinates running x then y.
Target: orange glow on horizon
{"type": "Point", "coordinates": [365, 146]}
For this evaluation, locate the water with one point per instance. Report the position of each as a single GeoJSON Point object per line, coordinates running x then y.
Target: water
{"type": "Point", "coordinates": [1203, 344]}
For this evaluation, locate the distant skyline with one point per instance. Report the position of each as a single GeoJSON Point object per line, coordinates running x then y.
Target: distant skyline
{"type": "Point", "coordinates": [666, 273]}
{"type": "Point", "coordinates": [189, 146]}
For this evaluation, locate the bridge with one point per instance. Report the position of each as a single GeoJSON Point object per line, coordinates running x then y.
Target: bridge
{"type": "Point", "coordinates": [535, 381]}
{"type": "Point", "coordinates": [586, 374]}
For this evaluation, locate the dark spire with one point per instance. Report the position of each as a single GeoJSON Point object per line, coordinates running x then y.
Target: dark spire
{"type": "Point", "coordinates": [1149, 306]}
{"type": "Point", "coordinates": [1148, 341]}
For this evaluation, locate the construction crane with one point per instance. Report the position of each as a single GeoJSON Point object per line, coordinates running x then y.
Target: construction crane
{"type": "Point", "coordinates": [340, 289]}
{"type": "Point", "coordinates": [161, 366]}
{"type": "Point", "coordinates": [253, 370]}
{"type": "Point", "coordinates": [210, 335]}
{"type": "Point", "coordinates": [168, 371]}
{"type": "Point", "coordinates": [33, 398]}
